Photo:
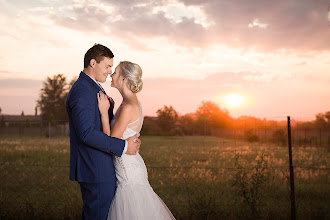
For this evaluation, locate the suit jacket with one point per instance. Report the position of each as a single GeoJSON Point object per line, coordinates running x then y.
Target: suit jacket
{"type": "Point", "coordinates": [90, 148]}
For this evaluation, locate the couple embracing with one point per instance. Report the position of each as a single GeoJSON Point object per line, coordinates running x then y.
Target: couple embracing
{"type": "Point", "coordinates": [104, 148]}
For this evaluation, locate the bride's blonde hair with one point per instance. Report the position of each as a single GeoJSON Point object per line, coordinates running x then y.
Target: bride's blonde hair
{"type": "Point", "coordinates": [133, 73]}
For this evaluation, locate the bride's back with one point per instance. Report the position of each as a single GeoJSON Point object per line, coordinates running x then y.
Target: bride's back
{"type": "Point", "coordinates": [133, 127]}
{"type": "Point", "coordinates": [137, 124]}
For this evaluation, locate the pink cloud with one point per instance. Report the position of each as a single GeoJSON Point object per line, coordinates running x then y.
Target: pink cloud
{"type": "Point", "coordinates": [298, 25]}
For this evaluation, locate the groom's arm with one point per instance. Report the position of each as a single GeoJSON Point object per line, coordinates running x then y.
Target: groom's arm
{"type": "Point", "coordinates": [84, 114]}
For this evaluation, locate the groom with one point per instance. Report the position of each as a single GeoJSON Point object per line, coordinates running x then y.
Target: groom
{"type": "Point", "coordinates": [90, 149]}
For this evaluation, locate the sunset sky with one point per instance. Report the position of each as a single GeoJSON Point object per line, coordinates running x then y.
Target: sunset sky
{"type": "Point", "coordinates": [260, 58]}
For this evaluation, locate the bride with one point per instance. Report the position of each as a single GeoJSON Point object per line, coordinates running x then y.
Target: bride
{"type": "Point", "coordinates": [134, 197]}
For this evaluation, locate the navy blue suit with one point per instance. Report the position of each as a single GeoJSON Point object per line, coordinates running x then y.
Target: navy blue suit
{"type": "Point", "coordinates": [90, 149]}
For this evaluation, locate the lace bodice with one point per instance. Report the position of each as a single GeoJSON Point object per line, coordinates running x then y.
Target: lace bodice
{"type": "Point", "coordinates": [130, 169]}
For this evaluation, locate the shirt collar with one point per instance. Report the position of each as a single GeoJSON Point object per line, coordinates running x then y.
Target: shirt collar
{"type": "Point", "coordinates": [97, 83]}
{"type": "Point", "coordinates": [93, 79]}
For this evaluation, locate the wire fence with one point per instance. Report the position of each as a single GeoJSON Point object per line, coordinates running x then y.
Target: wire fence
{"type": "Point", "coordinates": [198, 177]}
{"type": "Point", "coordinates": [250, 131]}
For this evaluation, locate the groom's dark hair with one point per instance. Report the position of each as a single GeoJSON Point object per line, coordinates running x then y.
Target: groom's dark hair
{"type": "Point", "coordinates": [97, 52]}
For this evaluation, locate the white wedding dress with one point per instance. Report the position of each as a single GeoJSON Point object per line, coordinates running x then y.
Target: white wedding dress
{"type": "Point", "coordinates": [134, 198]}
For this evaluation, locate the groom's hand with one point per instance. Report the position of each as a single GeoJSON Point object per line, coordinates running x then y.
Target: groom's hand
{"type": "Point", "coordinates": [133, 144]}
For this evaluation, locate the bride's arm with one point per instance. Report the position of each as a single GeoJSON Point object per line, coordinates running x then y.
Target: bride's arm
{"type": "Point", "coordinates": [123, 119]}
{"type": "Point", "coordinates": [104, 105]}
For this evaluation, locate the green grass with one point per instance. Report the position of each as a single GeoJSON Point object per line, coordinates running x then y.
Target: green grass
{"type": "Point", "coordinates": [193, 175]}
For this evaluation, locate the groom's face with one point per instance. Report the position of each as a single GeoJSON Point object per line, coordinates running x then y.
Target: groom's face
{"type": "Point", "coordinates": [103, 69]}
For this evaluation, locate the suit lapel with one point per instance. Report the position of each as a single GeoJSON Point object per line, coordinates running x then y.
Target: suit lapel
{"type": "Point", "coordinates": [92, 82]}
{"type": "Point", "coordinates": [97, 88]}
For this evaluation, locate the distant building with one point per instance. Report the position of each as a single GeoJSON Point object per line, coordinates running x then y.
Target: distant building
{"type": "Point", "coordinates": [152, 118]}
{"type": "Point", "coordinates": [18, 120]}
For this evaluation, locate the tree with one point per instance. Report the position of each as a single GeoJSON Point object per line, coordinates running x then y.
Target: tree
{"type": "Point", "coordinates": [187, 124]}
{"type": "Point", "coordinates": [326, 115]}
{"type": "Point", "coordinates": [52, 99]}
{"type": "Point", "coordinates": [22, 114]}
{"type": "Point", "coordinates": [0, 110]}
{"type": "Point", "coordinates": [321, 121]}
{"type": "Point", "coordinates": [166, 118]}
{"type": "Point", "coordinates": [211, 116]}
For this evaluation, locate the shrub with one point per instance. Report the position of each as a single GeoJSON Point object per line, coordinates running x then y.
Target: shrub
{"type": "Point", "coordinates": [250, 185]}
{"type": "Point", "coordinates": [250, 136]}
{"type": "Point", "coordinates": [279, 137]}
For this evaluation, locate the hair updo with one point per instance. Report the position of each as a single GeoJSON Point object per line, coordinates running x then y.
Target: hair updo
{"type": "Point", "coordinates": [133, 73]}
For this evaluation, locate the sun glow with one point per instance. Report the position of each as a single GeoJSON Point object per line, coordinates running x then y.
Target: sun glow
{"type": "Point", "coordinates": [233, 100]}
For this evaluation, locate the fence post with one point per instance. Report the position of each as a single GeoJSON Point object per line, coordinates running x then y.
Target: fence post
{"type": "Point", "coordinates": [292, 195]}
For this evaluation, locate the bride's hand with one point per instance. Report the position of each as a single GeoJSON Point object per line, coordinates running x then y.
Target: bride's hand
{"type": "Point", "coordinates": [103, 103]}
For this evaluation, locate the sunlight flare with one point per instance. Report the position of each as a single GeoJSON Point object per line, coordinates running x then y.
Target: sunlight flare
{"type": "Point", "coordinates": [232, 100]}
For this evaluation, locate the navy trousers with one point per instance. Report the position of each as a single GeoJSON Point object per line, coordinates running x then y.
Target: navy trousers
{"type": "Point", "coordinates": [97, 199]}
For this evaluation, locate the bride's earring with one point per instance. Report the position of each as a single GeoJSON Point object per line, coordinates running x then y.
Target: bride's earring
{"type": "Point", "coordinates": [121, 82]}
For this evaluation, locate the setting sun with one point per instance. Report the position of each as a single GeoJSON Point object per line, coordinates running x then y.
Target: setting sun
{"type": "Point", "coordinates": [233, 100]}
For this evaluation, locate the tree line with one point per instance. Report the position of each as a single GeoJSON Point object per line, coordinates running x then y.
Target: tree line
{"type": "Point", "coordinates": [206, 120]}
{"type": "Point", "coordinates": [210, 118]}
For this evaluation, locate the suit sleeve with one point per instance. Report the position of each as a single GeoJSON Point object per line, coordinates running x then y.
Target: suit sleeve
{"type": "Point", "coordinates": [82, 107]}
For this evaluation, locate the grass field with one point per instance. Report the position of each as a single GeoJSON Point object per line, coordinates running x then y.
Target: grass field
{"type": "Point", "coordinates": [197, 177]}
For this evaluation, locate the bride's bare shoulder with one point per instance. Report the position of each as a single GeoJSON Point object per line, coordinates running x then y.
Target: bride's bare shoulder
{"type": "Point", "coordinates": [130, 110]}
{"type": "Point", "coordinates": [127, 108]}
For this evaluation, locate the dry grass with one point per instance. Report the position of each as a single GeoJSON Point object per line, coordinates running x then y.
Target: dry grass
{"type": "Point", "coordinates": [193, 175]}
